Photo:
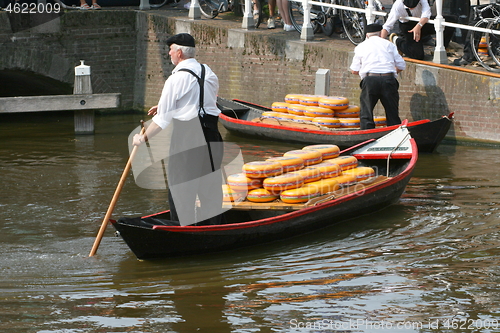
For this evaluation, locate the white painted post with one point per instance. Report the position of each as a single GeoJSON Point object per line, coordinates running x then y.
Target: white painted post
{"type": "Point", "coordinates": [440, 56]}
{"type": "Point", "coordinates": [322, 84]}
{"type": "Point", "coordinates": [144, 5]}
{"type": "Point", "coordinates": [370, 17]}
{"type": "Point", "coordinates": [194, 10]}
{"type": "Point", "coordinates": [84, 119]}
{"type": "Point", "coordinates": [307, 32]}
{"type": "Point", "coordinates": [248, 22]}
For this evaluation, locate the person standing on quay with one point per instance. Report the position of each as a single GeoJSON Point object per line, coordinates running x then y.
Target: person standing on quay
{"type": "Point", "coordinates": [377, 62]}
{"type": "Point", "coordinates": [188, 102]}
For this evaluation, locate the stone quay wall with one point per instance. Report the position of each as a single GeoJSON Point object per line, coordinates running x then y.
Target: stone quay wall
{"type": "Point", "coordinates": [127, 52]}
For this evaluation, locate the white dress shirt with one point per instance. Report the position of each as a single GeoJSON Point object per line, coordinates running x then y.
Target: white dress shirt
{"type": "Point", "coordinates": [181, 94]}
{"type": "Point", "coordinates": [398, 11]}
{"type": "Point", "coordinates": [376, 55]}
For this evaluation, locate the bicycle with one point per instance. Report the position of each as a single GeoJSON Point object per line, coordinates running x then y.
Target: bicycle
{"type": "Point", "coordinates": [323, 18]}
{"type": "Point", "coordinates": [208, 8]}
{"type": "Point", "coordinates": [487, 40]}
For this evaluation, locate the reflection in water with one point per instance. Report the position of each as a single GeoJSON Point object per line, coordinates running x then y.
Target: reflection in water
{"type": "Point", "coordinates": [433, 256]}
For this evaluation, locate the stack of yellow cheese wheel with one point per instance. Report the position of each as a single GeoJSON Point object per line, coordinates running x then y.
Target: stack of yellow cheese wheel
{"type": "Point", "coordinates": [262, 169]}
{"type": "Point", "coordinates": [310, 156]}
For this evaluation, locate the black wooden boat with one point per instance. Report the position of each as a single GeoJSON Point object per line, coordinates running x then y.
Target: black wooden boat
{"type": "Point", "coordinates": [237, 117]}
{"type": "Point", "coordinates": [154, 236]}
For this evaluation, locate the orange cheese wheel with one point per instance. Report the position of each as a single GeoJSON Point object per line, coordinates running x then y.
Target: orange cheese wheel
{"type": "Point", "coordinates": [345, 162]}
{"type": "Point", "coordinates": [230, 195]}
{"type": "Point", "coordinates": [361, 173]}
{"type": "Point", "coordinates": [351, 112]}
{"type": "Point", "coordinates": [380, 121]}
{"type": "Point", "coordinates": [280, 107]}
{"type": "Point", "coordinates": [328, 170]}
{"type": "Point", "coordinates": [310, 157]}
{"type": "Point", "coordinates": [283, 182]}
{"type": "Point", "coordinates": [334, 102]}
{"type": "Point", "coordinates": [292, 98]}
{"type": "Point", "coordinates": [327, 151]}
{"type": "Point", "coordinates": [345, 180]}
{"type": "Point", "coordinates": [288, 163]}
{"type": "Point", "coordinates": [240, 182]}
{"type": "Point", "coordinates": [309, 174]}
{"type": "Point", "coordinates": [326, 121]}
{"type": "Point", "coordinates": [302, 119]}
{"type": "Point", "coordinates": [309, 100]}
{"type": "Point", "coordinates": [324, 185]}
{"type": "Point", "coordinates": [262, 169]}
{"type": "Point", "coordinates": [349, 122]}
{"type": "Point", "coordinates": [299, 195]}
{"type": "Point", "coordinates": [261, 195]}
{"type": "Point", "coordinates": [270, 114]}
{"type": "Point", "coordinates": [316, 111]}
{"type": "Point", "coordinates": [296, 109]}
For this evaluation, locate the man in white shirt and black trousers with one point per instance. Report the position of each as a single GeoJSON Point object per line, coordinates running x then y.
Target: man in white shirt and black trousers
{"type": "Point", "coordinates": [377, 62]}
{"type": "Point", "coordinates": [188, 103]}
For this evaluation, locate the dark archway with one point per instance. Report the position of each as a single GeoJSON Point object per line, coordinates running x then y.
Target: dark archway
{"type": "Point", "coordinates": [25, 83]}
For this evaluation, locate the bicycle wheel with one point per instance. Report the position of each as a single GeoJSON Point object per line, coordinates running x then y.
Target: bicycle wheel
{"type": "Point", "coordinates": [157, 3]}
{"type": "Point", "coordinates": [480, 47]}
{"type": "Point", "coordinates": [297, 16]}
{"type": "Point", "coordinates": [209, 8]}
{"type": "Point", "coordinates": [354, 23]}
{"type": "Point", "coordinates": [493, 42]}
{"type": "Point", "coordinates": [256, 11]}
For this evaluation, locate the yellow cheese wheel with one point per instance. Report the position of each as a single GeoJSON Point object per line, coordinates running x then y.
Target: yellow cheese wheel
{"type": "Point", "coordinates": [316, 111]}
{"type": "Point", "coordinates": [345, 162]}
{"type": "Point", "coordinates": [302, 119]}
{"type": "Point", "coordinates": [283, 182]}
{"type": "Point", "coordinates": [327, 169]}
{"type": "Point", "coordinates": [262, 169]}
{"type": "Point", "coordinates": [285, 116]}
{"type": "Point", "coordinates": [310, 157]}
{"type": "Point", "coordinates": [309, 174]}
{"type": "Point", "coordinates": [327, 122]}
{"type": "Point", "coordinates": [345, 179]}
{"type": "Point", "coordinates": [349, 122]}
{"type": "Point", "coordinates": [288, 163]}
{"type": "Point", "coordinates": [351, 112]}
{"type": "Point", "coordinates": [296, 109]}
{"type": "Point", "coordinates": [230, 195]}
{"type": "Point", "coordinates": [334, 102]}
{"type": "Point", "coordinates": [309, 100]}
{"type": "Point", "coordinates": [292, 98]}
{"type": "Point", "coordinates": [270, 114]}
{"type": "Point", "coordinates": [299, 195]}
{"type": "Point", "coordinates": [327, 151]}
{"type": "Point", "coordinates": [240, 182]}
{"type": "Point", "coordinates": [280, 107]}
{"type": "Point", "coordinates": [324, 185]}
{"type": "Point", "coordinates": [261, 195]}
{"type": "Point", "coordinates": [380, 121]}
{"type": "Point", "coordinates": [361, 173]}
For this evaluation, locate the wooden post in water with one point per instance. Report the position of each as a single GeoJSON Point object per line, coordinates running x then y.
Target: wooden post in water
{"type": "Point", "coordinates": [322, 84]}
{"type": "Point", "coordinates": [84, 119]}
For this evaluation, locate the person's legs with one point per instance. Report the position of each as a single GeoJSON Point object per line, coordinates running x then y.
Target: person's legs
{"type": "Point", "coordinates": [407, 44]}
{"type": "Point", "coordinates": [271, 24]}
{"type": "Point", "coordinates": [368, 99]}
{"type": "Point", "coordinates": [389, 97]}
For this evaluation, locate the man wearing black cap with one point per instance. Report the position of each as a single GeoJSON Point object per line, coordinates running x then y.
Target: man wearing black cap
{"type": "Point", "coordinates": [412, 35]}
{"type": "Point", "coordinates": [188, 102]}
{"type": "Point", "coordinates": [377, 62]}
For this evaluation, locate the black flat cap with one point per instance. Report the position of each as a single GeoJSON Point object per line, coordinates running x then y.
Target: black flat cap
{"type": "Point", "coordinates": [374, 27]}
{"type": "Point", "coordinates": [411, 3]}
{"type": "Point", "coordinates": [181, 39]}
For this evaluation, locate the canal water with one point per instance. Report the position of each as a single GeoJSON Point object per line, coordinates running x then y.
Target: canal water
{"type": "Point", "coordinates": [428, 263]}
